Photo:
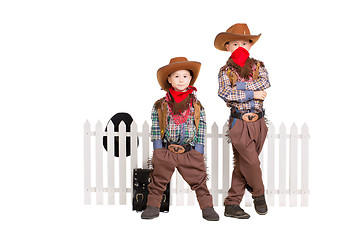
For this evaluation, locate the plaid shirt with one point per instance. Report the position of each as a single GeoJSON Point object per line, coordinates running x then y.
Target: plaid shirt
{"type": "Point", "coordinates": [241, 96]}
{"type": "Point", "coordinates": [180, 134]}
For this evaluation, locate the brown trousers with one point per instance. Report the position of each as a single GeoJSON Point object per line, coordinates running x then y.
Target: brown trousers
{"type": "Point", "coordinates": [191, 166]}
{"type": "Point", "coordinates": [247, 141]}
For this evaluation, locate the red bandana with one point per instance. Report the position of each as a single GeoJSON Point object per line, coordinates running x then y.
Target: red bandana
{"type": "Point", "coordinates": [240, 55]}
{"type": "Point", "coordinates": [179, 96]}
{"type": "Point", "coordinates": [181, 117]}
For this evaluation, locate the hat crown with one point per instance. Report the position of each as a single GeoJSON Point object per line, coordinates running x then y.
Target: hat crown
{"type": "Point", "coordinates": [178, 59]}
{"type": "Point", "coordinates": [239, 28]}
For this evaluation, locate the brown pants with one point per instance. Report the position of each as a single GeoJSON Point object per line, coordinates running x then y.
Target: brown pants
{"type": "Point", "coordinates": [190, 165]}
{"type": "Point", "coordinates": [247, 141]}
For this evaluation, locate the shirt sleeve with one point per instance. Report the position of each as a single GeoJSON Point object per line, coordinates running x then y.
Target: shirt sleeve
{"type": "Point", "coordinates": [201, 133]}
{"type": "Point", "coordinates": [155, 125]}
{"type": "Point", "coordinates": [261, 83]}
{"type": "Point", "coordinates": [227, 93]}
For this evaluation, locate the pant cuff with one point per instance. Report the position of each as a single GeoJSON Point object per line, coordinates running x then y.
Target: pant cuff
{"type": "Point", "coordinates": [154, 201]}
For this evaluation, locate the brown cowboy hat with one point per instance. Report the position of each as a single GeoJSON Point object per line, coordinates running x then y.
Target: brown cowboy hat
{"type": "Point", "coordinates": [175, 64]}
{"type": "Point", "coordinates": [237, 31]}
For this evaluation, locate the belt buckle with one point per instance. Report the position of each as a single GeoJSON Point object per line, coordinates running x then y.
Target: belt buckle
{"type": "Point", "coordinates": [250, 117]}
{"type": "Point", "coordinates": [176, 148]}
{"type": "Point", "coordinates": [137, 196]}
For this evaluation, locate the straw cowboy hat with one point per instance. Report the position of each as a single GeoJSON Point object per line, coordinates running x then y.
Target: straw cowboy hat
{"type": "Point", "coordinates": [175, 64]}
{"type": "Point", "coordinates": [237, 31]}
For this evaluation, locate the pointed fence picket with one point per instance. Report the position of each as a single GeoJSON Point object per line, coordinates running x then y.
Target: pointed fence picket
{"type": "Point", "coordinates": [282, 165]}
{"type": "Point", "coordinates": [111, 164]}
{"type": "Point", "coordinates": [304, 165]}
{"type": "Point", "coordinates": [271, 165]}
{"type": "Point", "coordinates": [280, 181]}
{"type": "Point", "coordinates": [293, 165]}
{"type": "Point", "coordinates": [87, 163]}
{"type": "Point", "coordinates": [226, 164]}
{"type": "Point", "coordinates": [214, 163]}
{"type": "Point", "coordinates": [99, 163]}
{"type": "Point", "coordinates": [122, 162]}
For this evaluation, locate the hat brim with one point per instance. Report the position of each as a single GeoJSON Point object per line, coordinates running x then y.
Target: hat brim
{"type": "Point", "coordinates": [225, 37]}
{"type": "Point", "coordinates": [164, 72]}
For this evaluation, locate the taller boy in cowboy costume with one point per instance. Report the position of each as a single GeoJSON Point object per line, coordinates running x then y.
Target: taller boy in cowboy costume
{"type": "Point", "coordinates": [178, 133]}
{"type": "Point", "coordinates": [242, 82]}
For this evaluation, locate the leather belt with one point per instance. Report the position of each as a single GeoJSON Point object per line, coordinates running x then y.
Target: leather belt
{"type": "Point", "coordinates": [175, 148]}
{"type": "Point", "coordinates": [247, 117]}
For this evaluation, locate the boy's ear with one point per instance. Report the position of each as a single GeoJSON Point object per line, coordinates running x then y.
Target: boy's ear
{"type": "Point", "coordinates": [227, 46]}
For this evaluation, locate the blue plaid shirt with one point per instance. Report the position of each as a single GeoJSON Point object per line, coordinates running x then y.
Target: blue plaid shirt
{"type": "Point", "coordinates": [181, 134]}
{"type": "Point", "coordinates": [241, 97]}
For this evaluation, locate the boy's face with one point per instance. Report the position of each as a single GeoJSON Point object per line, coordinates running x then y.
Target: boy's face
{"type": "Point", "coordinates": [180, 80]}
{"type": "Point", "coordinates": [233, 45]}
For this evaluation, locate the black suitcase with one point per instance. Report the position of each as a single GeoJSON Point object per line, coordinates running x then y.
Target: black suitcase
{"type": "Point", "coordinates": [141, 179]}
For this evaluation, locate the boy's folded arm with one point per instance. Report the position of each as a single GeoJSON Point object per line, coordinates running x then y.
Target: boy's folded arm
{"type": "Point", "coordinates": [228, 93]}
{"type": "Point", "coordinates": [261, 83]}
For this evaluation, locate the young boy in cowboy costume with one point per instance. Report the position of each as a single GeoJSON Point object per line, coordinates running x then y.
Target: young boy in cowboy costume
{"type": "Point", "coordinates": [178, 133]}
{"type": "Point", "coordinates": [242, 82]}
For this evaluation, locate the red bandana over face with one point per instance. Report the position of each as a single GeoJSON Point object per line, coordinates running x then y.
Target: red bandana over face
{"type": "Point", "coordinates": [240, 55]}
{"type": "Point", "coordinates": [179, 96]}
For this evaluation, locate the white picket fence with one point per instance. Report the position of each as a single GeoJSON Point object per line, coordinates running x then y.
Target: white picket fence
{"type": "Point", "coordinates": [280, 160]}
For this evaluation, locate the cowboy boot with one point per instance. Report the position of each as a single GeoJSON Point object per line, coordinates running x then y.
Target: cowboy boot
{"type": "Point", "coordinates": [150, 212]}
{"type": "Point", "coordinates": [260, 205]}
{"type": "Point", "coordinates": [235, 211]}
{"type": "Point", "coordinates": [210, 214]}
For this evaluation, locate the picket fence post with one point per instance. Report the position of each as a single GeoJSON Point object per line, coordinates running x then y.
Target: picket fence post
{"type": "Point", "coordinates": [304, 165]}
{"type": "Point", "coordinates": [282, 165]}
{"type": "Point", "coordinates": [226, 164]}
{"type": "Point", "coordinates": [293, 166]}
{"type": "Point", "coordinates": [218, 162]}
{"type": "Point", "coordinates": [145, 144]}
{"type": "Point", "coordinates": [111, 163]}
{"type": "Point", "coordinates": [271, 165]}
{"type": "Point", "coordinates": [214, 163]}
{"type": "Point", "coordinates": [87, 163]}
{"type": "Point", "coordinates": [122, 163]}
{"type": "Point", "coordinates": [99, 163]}
{"type": "Point", "coordinates": [179, 189]}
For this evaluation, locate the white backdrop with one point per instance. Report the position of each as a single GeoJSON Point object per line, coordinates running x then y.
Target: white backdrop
{"type": "Point", "coordinates": [62, 62]}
